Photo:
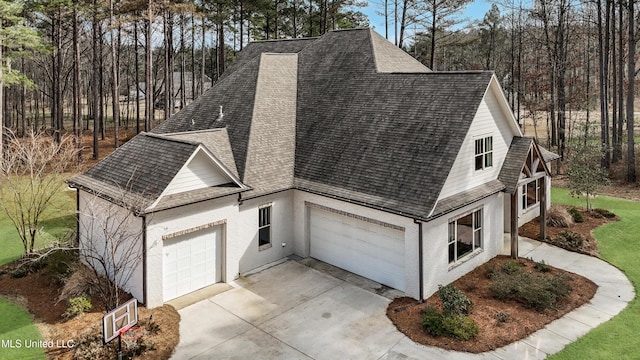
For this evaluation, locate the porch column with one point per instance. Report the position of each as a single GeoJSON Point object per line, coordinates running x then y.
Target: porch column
{"type": "Point", "coordinates": [514, 224]}
{"type": "Point", "coordinates": [543, 208]}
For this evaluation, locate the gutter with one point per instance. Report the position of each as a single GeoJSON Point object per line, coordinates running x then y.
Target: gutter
{"type": "Point", "coordinates": [420, 262]}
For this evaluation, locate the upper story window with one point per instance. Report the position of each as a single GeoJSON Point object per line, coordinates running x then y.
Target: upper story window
{"type": "Point", "coordinates": [484, 153]}
{"type": "Point", "coordinates": [264, 227]}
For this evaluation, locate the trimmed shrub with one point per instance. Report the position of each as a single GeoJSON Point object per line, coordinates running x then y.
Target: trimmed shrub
{"type": "Point", "coordinates": [432, 321]}
{"type": "Point", "coordinates": [604, 212]}
{"type": "Point", "coordinates": [558, 216]}
{"type": "Point", "coordinates": [511, 267]}
{"type": "Point", "coordinates": [537, 291]}
{"type": "Point", "coordinates": [460, 327]}
{"type": "Point", "coordinates": [77, 306]}
{"type": "Point", "coordinates": [453, 326]}
{"type": "Point", "coordinates": [576, 215]}
{"type": "Point", "coordinates": [570, 240]}
{"type": "Point", "coordinates": [454, 301]}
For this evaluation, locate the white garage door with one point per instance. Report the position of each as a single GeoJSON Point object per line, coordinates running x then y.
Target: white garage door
{"type": "Point", "coordinates": [364, 248]}
{"type": "Point", "coordinates": [192, 261]}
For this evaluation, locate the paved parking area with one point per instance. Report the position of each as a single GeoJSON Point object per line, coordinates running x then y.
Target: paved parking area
{"type": "Point", "coordinates": [293, 311]}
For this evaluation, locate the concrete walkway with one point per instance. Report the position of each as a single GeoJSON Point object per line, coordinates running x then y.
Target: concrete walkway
{"type": "Point", "coordinates": [291, 311]}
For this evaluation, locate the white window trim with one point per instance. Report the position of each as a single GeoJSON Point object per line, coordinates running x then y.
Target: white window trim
{"type": "Point", "coordinates": [484, 152]}
{"type": "Point", "coordinates": [475, 250]}
{"type": "Point", "coordinates": [260, 227]}
{"type": "Point", "coordinates": [523, 196]}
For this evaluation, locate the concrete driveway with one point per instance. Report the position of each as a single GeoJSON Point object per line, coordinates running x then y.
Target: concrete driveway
{"type": "Point", "coordinates": [293, 311]}
{"type": "Point", "coordinates": [288, 311]}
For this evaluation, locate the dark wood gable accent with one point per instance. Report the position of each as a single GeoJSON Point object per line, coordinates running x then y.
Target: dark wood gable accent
{"type": "Point", "coordinates": [533, 166]}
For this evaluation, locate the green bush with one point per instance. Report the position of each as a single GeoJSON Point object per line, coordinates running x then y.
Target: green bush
{"type": "Point", "coordinates": [604, 212]}
{"type": "Point", "coordinates": [576, 215]}
{"type": "Point", "coordinates": [432, 321]}
{"type": "Point", "coordinates": [454, 301]}
{"type": "Point", "coordinates": [511, 267]}
{"type": "Point", "coordinates": [570, 240]}
{"type": "Point", "coordinates": [541, 266]}
{"type": "Point", "coordinates": [453, 326]}
{"type": "Point", "coordinates": [460, 327]}
{"type": "Point", "coordinates": [537, 291]}
{"type": "Point", "coordinates": [78, 306]}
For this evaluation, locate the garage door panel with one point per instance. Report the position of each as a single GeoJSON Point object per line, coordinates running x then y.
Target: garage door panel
{"type": "Point", "coordinates": [191, 261]}
{"type": "Point", "coordinates": [362, 247]}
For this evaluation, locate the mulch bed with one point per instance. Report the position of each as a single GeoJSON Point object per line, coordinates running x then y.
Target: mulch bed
{"type": "Point", "coordinates": [591, 222]}
{"type": "Point", "coordinates": [405, 312]}
{"type": "Point", "coordinates": [38, 293]}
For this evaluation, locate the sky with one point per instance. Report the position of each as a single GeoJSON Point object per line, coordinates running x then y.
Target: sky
{"type": "Point", "coordinates": [474, 11]}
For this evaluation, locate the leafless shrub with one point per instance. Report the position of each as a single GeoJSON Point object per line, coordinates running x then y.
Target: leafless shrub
{"type": "Point", "coordinates": [32, 169]}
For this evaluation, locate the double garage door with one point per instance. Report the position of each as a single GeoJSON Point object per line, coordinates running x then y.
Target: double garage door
{"type": "Point", "coordinates": [362, 247]}
{"type": "Point", "coordinates": [191, 261]}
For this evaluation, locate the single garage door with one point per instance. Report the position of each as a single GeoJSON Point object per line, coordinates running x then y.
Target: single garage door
{"type": "Point", "coordinates": [362, 247]}
{"type": "Point", "coordinates": [192, 261]}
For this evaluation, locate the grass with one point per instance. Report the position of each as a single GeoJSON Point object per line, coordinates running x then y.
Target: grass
{"type": "Point", "coordinates": [619, 244]}
{"type": "Point", "coordinates": [56, 223]}
{"type": "Point", "coordinates": [17, 330]}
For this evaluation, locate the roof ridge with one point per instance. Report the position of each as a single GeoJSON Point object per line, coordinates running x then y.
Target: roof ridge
{"type": "Point", "coordinates": [283, 40]}
{"type": "Point", "coordinates": [169, 138]}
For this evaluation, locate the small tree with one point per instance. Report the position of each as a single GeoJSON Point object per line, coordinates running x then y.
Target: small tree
{"type": "Point", "coordinates": [585, 174]}
{"type": "Point", "coordinates": [110, 242]}
{"type": "Point", "coordinates": [31, 173]}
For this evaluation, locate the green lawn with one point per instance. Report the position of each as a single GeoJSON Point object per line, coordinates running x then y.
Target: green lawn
{"type": "Point", "coordinates": [56, 222]}
{"type": "Point", "coordinates": [17, 332]}
{"type": "Point", "coordinates": [16, 327]}
{"type": "Point", "coordinates": [619, 244]}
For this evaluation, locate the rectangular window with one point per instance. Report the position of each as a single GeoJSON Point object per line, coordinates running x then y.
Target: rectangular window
{"type": "Point", "coordinates": [264, 226]}
{"type": "Point", "coordinates": [465, 235]}
{"type": "Point", "coordinates": [531, 194]}
{"type": "Point", "coordinates": [484, 153]}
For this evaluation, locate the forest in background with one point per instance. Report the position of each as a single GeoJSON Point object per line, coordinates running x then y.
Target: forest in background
{"type": "Point", "coordinates": [110, 69]}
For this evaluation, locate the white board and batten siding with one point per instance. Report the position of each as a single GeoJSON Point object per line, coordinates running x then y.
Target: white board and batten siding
{"type": "Point", "coordinates": [200, 172]}
{"type": "Point", "coordinates": [489, 120]}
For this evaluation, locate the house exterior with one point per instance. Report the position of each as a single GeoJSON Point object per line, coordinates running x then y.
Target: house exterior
{"type": "Point", "coordinates": [342, 148]}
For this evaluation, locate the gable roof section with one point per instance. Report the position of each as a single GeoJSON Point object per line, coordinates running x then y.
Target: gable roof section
{"type": "Point", "coordinates": [516, 159]}
{"type": "Point", "coordinates": [216, 141]}
{"type": "Point", "coordinates": [392, 136]}
{"type": "Point", "coordinates": [142, 167]}
{"type": "Point", "coordinates": [388, 59]}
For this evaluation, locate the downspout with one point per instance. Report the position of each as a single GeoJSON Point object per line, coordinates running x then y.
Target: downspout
{"type": "Point", "coordinates": [77, 217]}
{"type": "Point", "coordinates": [420, 262]}
{"type": "Point", "coordinates": [144, 259]}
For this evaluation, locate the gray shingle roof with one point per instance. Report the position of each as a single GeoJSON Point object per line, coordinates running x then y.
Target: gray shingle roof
{"type": "Point", "coordinates": [144, 166]}
{"type": "Point", "coordinates": [467, 197]}
{"type": "Point", "coordinates": [513, 162]}
{"type": "Point", "coordinates": [367, 129]}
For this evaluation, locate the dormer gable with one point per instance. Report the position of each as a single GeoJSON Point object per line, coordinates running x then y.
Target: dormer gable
{"type": "Point", "coordinates": [200, 171]}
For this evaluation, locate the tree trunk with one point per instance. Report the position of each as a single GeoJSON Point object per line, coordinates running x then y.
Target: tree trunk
{"type": "Point", "coordinates": [148, 71]}
{"type": "Point", "coordinates": [77, 93]}
{"type": "Point", "coordinates": [136, 79]}
{"type": "Point", "coordinates": [631, 157]}
{"type": "Point", "coordinates": [115, 85]}
{"type": "Point", "coordinates": [95, 79]}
